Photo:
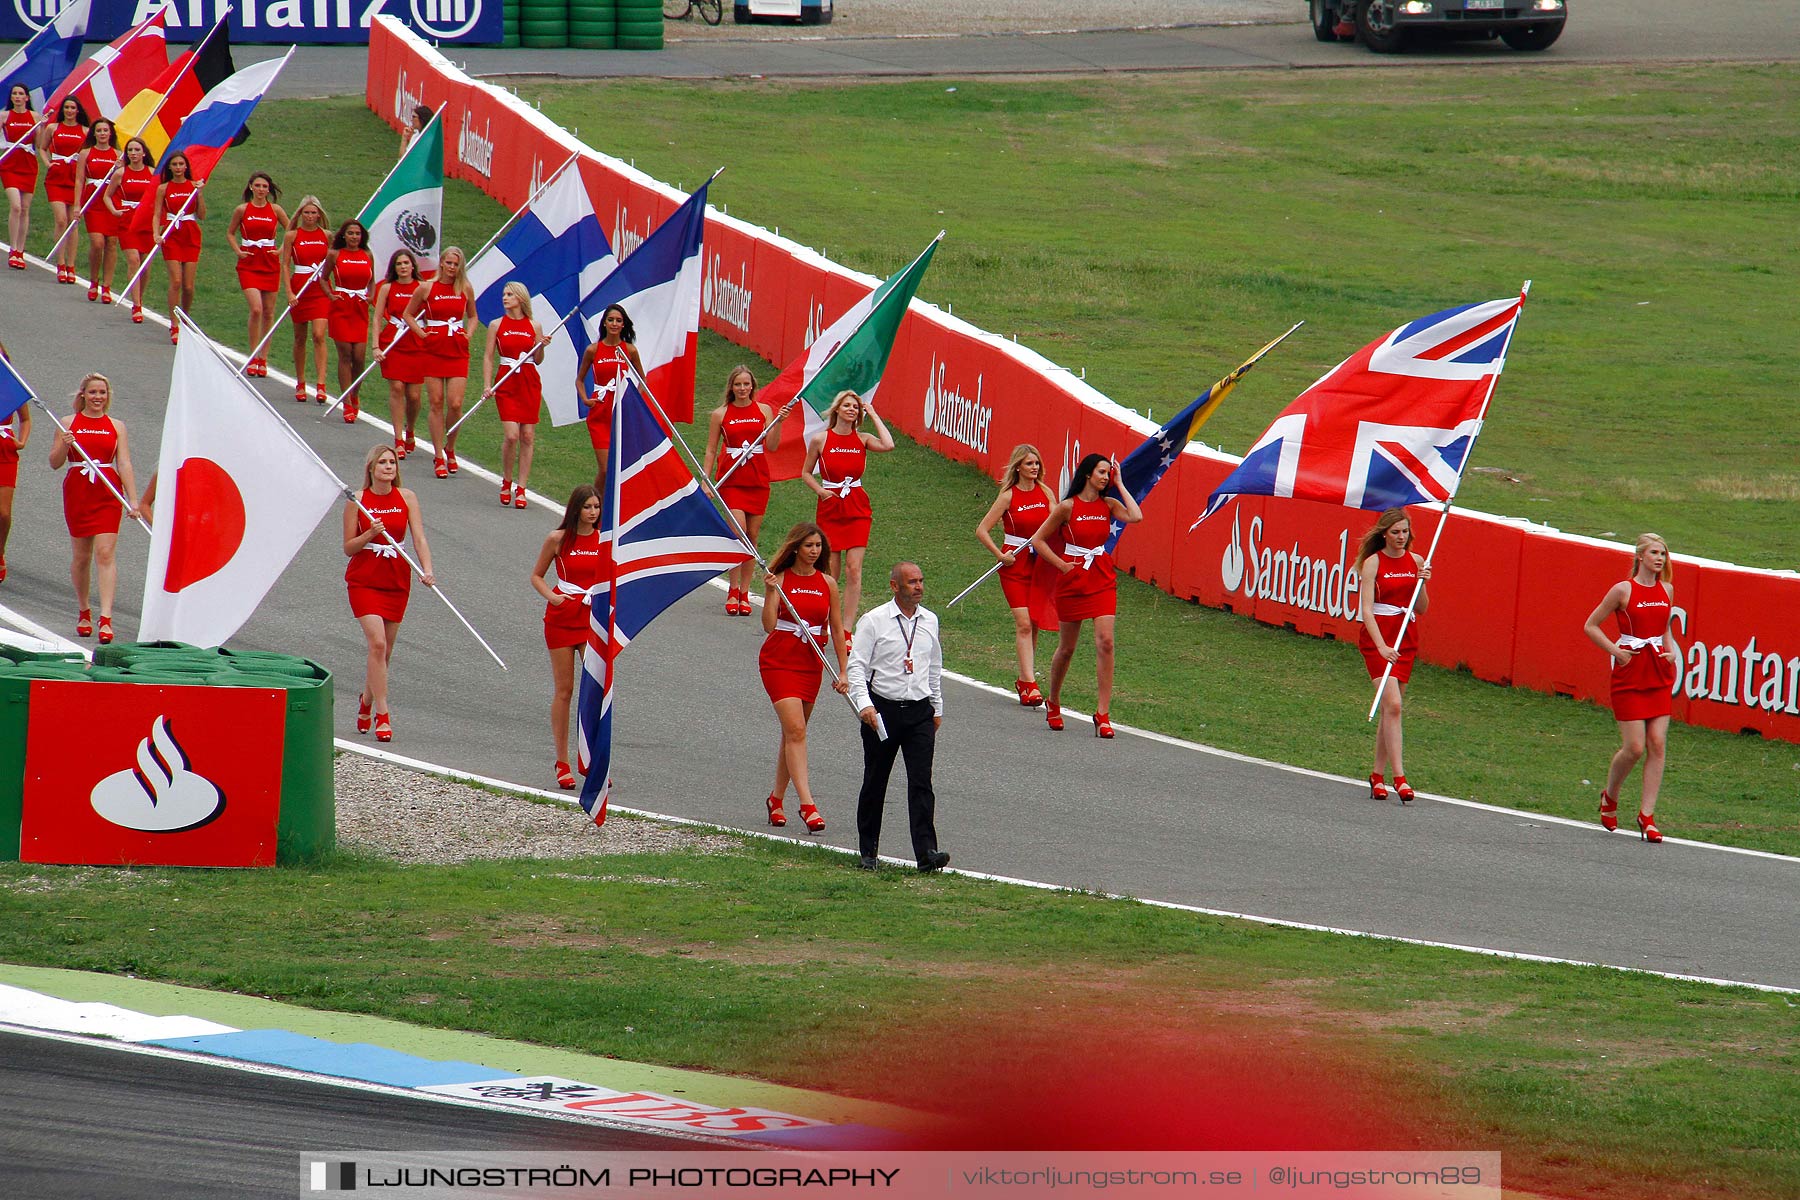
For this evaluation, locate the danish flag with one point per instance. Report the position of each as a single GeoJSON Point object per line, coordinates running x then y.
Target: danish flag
{"type": "Point", "coordinates": [1391, 425]}
{"type": "Point", "coordinates": [660, 539]}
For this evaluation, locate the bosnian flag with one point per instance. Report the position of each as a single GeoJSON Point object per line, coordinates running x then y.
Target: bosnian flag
{"type": "Point", "coordinates": [1391, 425]}
{"type": "Point", "coordinates": [407, 210]}
{"type": "Point", "coordinates": [15, 393]}
{"type": "Point", "coordinates": [556, 249]}
{"type": "Point", "coordinates": [48, 58]}
{"type": "Point", "coordinates": [661, 539]}
{"type": "Point", "coordinates": [214, 123]}
{"type": "Point", "coordinates": [658, 286]}
{"type": "Point", "coordinates": [852, 353]}
{"type": "Point", "coordinates": [117, 72]}
{"type": "Point", "coordinates": [237, 496]}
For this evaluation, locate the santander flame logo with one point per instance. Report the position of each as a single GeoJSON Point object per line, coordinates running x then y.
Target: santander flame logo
{"type": "Point", "coordinates": [161, 794]}
{"type": "Point", "coordinates": [1231, 563]}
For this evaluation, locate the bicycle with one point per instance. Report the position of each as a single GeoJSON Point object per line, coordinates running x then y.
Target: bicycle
{"type": "Point", "coordinates": [711, 11]}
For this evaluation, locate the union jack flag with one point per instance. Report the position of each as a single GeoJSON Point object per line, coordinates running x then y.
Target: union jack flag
{"type": "Point", "coordinates": [1391, 425]}
{"type": "Point", "coordinates": [661, 538]}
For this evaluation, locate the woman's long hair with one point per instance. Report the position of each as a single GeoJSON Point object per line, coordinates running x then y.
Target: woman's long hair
{"type": "Point", "coordinates": [731, 378]}
{"type": "Point", "coordinates": [274, 192]}
{"type": "Point", "coordinates": [82, 387]}
{"type": "Point", "coordinates": [1009, 478]}
{"type": "Point", "coordinates": [315, 202]}
{"type": "Point", "coordinates": [1644, 542]}
{"type": "Point", "coordinates": [1376, 538]}
{"type": "Point", "coordinates": [337, 239]}
{"type": "Point", "coordinates": [627, 331]}
{"type": "Point", "coordinates": [1083, 471]}
{"type": "Point", "coordinates": [571, 518]}
{"type": "Point", "coordinates": [376, 452]}
{"type": "Point", "coordinates": [784, 558]}
{"type": "Point", "coordinates": [519, 292]}
{"type": "Point", "coordinates": [462, 285]}
{"type": "Point", "coordinates": [393, 276]}
{"type": "Point", "coordinates": [112, 133]}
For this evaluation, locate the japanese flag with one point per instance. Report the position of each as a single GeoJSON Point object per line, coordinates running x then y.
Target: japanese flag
{"type": "Point", "coordinates": [237, 494]}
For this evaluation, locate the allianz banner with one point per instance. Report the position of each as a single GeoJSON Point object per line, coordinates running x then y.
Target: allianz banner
{"type": "Point", "coordinates": [282, 22]}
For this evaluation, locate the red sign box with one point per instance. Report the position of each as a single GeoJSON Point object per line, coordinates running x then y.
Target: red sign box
{"type": "Point", "coordinates": [126, 773]}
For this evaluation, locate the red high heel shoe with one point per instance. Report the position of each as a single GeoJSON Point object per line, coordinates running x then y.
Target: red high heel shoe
{"type": "Point", "coordinates": [1402, 790]}
{"type": "Point", "coordinates": [352, 410]}
{"type": "Point", "coordinates": [16, 260]}
{"type": "Point", "coordinates": [450, 460]}
{"type": "Point", "coordinates": [777, 818]}
{"type": "Point", "coordinates": [565, 778]}
{"type": "Point", "coordinates": [175, 334]}
{"type": "Point", "coordinates": [363, 720]}
{"type": "Point", "coordinates": [412, 441]}
{"type": "Point", "coordinates": [815, 820]}
{"type": "Point", "coordinates": [105, 632]}
{"type": "Point", "coordinates": [105, 294]}
{"type": "Point", "coordinates": [439, 469]}
{"type": "Point", "coordinates": [1647, 828]}
{"type": "Point", "coordinates": [93, 293]}
{"type": "Point", "coordinates": [1102, 725]}
{"type": "Point", "coordinates": [731, 595]}
{"type": "Point", "coordinates": [137, 314]}
{"type": "Point", "coordinates": [399, 447]}
{"type": "Point", "coordinates": [1032, 697]}
{"type": "Point", "coordinates": [300, 396]}
{"type": "Point", "coordinates": [519, 501]}
{"type": "Point", "coordinates": [1377, 788]}
{"type": "Point", "coordinates": [384, 727]}
{"type": "Point", "coordinates": [1053, 716]}
{"type": "Point", "coordinates": [506, 493]}
{"type": "Point", "coordinates": [84, 623]}
{"type": "Point", "coordinates": [1609, 811]}
{"type": "Point", "coordinates": [320, 394]}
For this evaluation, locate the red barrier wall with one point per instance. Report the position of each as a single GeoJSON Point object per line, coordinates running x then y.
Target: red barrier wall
{"type": "Point", "coordinates": [1507, 598]}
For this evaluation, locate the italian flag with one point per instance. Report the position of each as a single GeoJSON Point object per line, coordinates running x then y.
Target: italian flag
{"type": "Point", "coordinates": [407, 210]}
{"type": "Point", "coordinates": [851, 354]}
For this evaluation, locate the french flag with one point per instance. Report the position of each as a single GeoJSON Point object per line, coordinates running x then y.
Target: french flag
{"type": "Point", "coordinates": [214, 123]}
{"type": "Point", "coordinates": [658, 286]}
{"type": "Point", "coordinates": [49, 57]}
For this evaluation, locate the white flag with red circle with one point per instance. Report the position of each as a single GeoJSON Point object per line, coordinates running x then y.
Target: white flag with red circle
{"type": "Point", "coordinates": [237, 495]}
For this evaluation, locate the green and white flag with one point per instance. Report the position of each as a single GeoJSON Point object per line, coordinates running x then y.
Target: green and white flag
{"type": "Point", "coordinates": [407, 210]}
{"type": "Point", "coordinates": [852, 353]}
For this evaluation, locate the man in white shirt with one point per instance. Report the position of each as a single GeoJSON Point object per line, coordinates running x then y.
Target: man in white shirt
{"type": "Point", "coordinates": [896, 682]}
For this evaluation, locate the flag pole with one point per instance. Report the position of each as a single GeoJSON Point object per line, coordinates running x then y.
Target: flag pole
{"type": "Point", "coordinates": [95, 469]}
{"type": "Point", "coordinates": [977, 583]}
{"type": "Point", "coordinates": [829, 359]}
{"type": "Point", "coordinates": [542, 342]}
{"type": "Point", "coordinates": [1444, 509]}
{"type": "Point", "coordinates": [347, 492]}
{"type": "Point", "coordinates": [712, 491]}
{"type": "Point", "coordinates": [143, 266]}
{"type": "Point", "coordinates": [529, 201]}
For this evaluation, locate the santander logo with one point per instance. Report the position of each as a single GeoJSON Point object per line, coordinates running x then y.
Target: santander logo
{"type": "Point", "coordinates": [405, 101]}
{"type": "Point", "coordinates": [161, 794]}
{"type": "Point", "coordinates": [1286, 575]}
{"type": "Point", "coordinates": [625, 239]}
{"type": "Point", "coordinates": [476, 150]}
{"type": "Point", "coordinates": [815, 321]}
{"type": "Point", "coordinates": [954, 415]}
{"type": "Point", "coordinates": [726, 299]}
{"type": "Point", "coordinates": [1231, 563]}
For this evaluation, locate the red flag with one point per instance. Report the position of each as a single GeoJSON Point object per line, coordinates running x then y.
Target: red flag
{"type": "Point", "coordinates": [105, 82]}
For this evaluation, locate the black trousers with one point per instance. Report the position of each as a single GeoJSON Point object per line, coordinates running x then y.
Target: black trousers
{"type": "Point", "coordinates": [911, 733]}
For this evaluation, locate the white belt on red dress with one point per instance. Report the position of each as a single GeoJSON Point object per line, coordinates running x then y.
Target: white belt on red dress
{"type": "Point", "coordinates": [816, 632]}
{"type": "Point", "coordinates": [841, 486]}
{"type": "Point", "coordinates": [180, 218]}
{"type": "Point", "coordinates": [383, 549]}
{"type": "Point", "coordinates": [92, 468]}
{"type": "Point", "coordinates": [1387, 610]}
{"type": "Point", "coordinates": [1013, 541]}
{"type": "Point", "coordinates": [257, 243]}
{"type": "Point", "coordinates": [1629, 642]}
{"type": "Point", "coordinates": [1087, 554]}
{"type": "Point", "coordinates": [747, 450]}
{"type": "Point", "coordinates": [361, 293]}
{"type": "Point", "coordinates": [58, 159]}
{"type": "Point", "coordinates": [450, 325]}
{"type": "Point", "coordinates": [522, 360]}
{"type": "Point", "coordinates": [311, 270]}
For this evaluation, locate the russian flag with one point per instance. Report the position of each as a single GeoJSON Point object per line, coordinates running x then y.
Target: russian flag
{"type": "Point", "coordinates": [658, 286]}
{"type": "Point", "coordinates": [210, 128]}
{"type": "Point", "coordinates": [49, 57]}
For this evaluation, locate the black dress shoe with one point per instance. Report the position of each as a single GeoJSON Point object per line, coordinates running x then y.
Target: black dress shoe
{"type": "Point", "coordinates": [868, 863]}
{"type": "Point", "coordinates": [937, 860]}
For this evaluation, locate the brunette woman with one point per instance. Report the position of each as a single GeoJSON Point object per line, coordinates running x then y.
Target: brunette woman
{"type": "Point", "coordinates": [790, 668]}
{"type": "Point", "coordinates": [180, 208]}
{"type": "Point", "coordinates": [93, 174]}
{"type": "Point", "coordinates": [399, 349]}
{"type": "Point", "coordinates": [306, 289]}
{"type": "Point", "coordinates": [352, 272]}
{"type": "Point", "coordinates": [15, 431]}
{"type": "Point", "coordinates": [574, 548]}
{"type": "Point", "coordinates": [1389, 571]}
{"type": "Point", "coordinates": [1646, 664]}
{"type": "Point", "coordinates": [59, 148]}
{"type": "Point", "coordinates": [1027, 582]}
{"type": "Point", "coordinates": [90, 509]}
{"type": "Point", "coordinates": [1087, 586]}
{"type": "Point", "coordinates": [617, 336]}
{"type": "Point", "coordinates": [421, 117]}
{"type": "Point", "coordinates": [835, 461]}
{"type": "Point", "coordinates": [256, 232]}
{"type": "Point", "coordinates": [731, 433]}
{"type": "Point", "coordinates": [379, 579]}
{"type": "Point", "coordinates": [440, 314]}
{"type": "Point", "coordinates": [18, 170]}
{"type": "Point", "coordinates": [133, 186]}
{"type": "Point", "coordinates": [515, 345]}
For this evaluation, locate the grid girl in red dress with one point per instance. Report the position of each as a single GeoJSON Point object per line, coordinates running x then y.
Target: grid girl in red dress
{"type": "Point", "coordinates": [732, 430]}
{"type": "Point", "coordinates": [379, 579]}
{"type": "Point", "coordinates": [1027, 582]}
{"type": "Point", "coordinates": [1389, 572]}
{"type": "Point", "coordinates": [574, 548]}
{"type": "Point", "coordinates": [90, 509]}
{"type": "Point", "coordinates": [790, 668]}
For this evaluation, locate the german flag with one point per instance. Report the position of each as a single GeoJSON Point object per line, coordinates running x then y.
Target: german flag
{"type": "Point", "coordinates": [157, 111]}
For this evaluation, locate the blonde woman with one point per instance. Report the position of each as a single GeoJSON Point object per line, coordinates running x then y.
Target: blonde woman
{"type": "Point", "coordinates": [439, 315]}
{"type": "Point", "coordinates": [835, 461]}
{"type": "Point", "coordinates": [379, 579]}
{"type": "Point", "coordinates": [90, 509]}
{"type": "Point", "coordinates": [515, 347]}
{"type": "Point", "coordinates": [1024, 503]}
{"type": "Point", "coordinates": [1646, 664]}
{"type": "Point", "coordinates": [731, 433]}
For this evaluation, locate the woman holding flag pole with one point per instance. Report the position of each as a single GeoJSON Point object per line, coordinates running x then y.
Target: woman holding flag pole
{"type": "Point", "coordinates": [574, 547]}
{"type": "Point", "coordinates": [835, 462]}
{"type": "Point", "coordinates": [258, 228]}
{"type": "Point", "coordinates": [352, 271]}
{"type": "Point", "coordinates": [517, 344]}
{"type": "Point", "coordinates": [304, 252]}
{"type": "Point", "coordinates": [800, 605]}
{"type": "Point", "coordinates": [18, 170]}
{"type": "Point", "coordinates": [379, 578]}
{"type": "Point", "coordinates": [180, 207]}
{"type": "Point", "coordinates": [93, 176]}
{"type": "Point", "coordinates": [100, 475]}
{"type": "Point", "coordinates": [617, 337]}
{"type": "Point", "coordinates": [132, 187]}
{"type": "Point", "coordinates": [439, 315]}
{"type": "Point", "coordinates": [1024, 503]}
{"type": "Point", "coordinates": [59, 148]}
{"type": "Point", "coordinates": [735, 428]}
{"type": "Point", "coordinates": [1389, 572]}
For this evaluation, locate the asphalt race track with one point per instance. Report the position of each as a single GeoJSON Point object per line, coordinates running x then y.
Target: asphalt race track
{"type": "Point", "coordinates": [695, 737]}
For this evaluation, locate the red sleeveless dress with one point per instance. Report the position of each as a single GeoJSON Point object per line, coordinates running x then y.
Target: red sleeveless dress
{"type": "Point", "coordinates": [137, 191]}
{"type": "Point", "coordinates": [1644, 688]}
{"type": "Point", "coordinates": [578, 568]}
{"type": "Point", "coordinates": [66, 142]}
{"type": "Point", "coordinates": [844, 513]}
{"type": "Point", "coordinates": [609, 380]}
{"type": "Point", "coordinates": [1092, 588]}
{"type": "Point", "coordinates": [748, 488]}
{"type": "Point", "coordinates": [352, 279]}
{"type": "Point", "coordinates": [518, 396]}
{"type": "Point", "coordinates": [18, 166]}
{"type": "Point", "coordinates": [89, 507]}
{"type": "Point", "coordinates": [445, 318]}
{"type": "Point", "coordinates": [259, 232]}
{"type": "Point", "coordinates": [379, 579]}
{"type": "Point", "coordinates": [98, 218]}
{"type": "Point", "coordinates": [1394, 579]}
{"type": "Point", "coordinates": [9, 455]}
{"type": "Point", "coordinates": [403, 360]}
{"type": "Point", "coordinates": [789, 667]}
{"type": "Point", "coordinates": [181, 223]}
{"type": "Point", "coordinates": [1028, 583]}
{"type": "Point", "coordinates": [307, 259]}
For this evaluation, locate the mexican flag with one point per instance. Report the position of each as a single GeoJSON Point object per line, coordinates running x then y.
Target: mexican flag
{"type": "Point", "coordinates": [851, 354]}
{"type": "Point", "coordinates": [407, 210]}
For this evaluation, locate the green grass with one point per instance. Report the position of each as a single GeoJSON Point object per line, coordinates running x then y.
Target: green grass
{"type": "Point", "coordinates": [782, 963]}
